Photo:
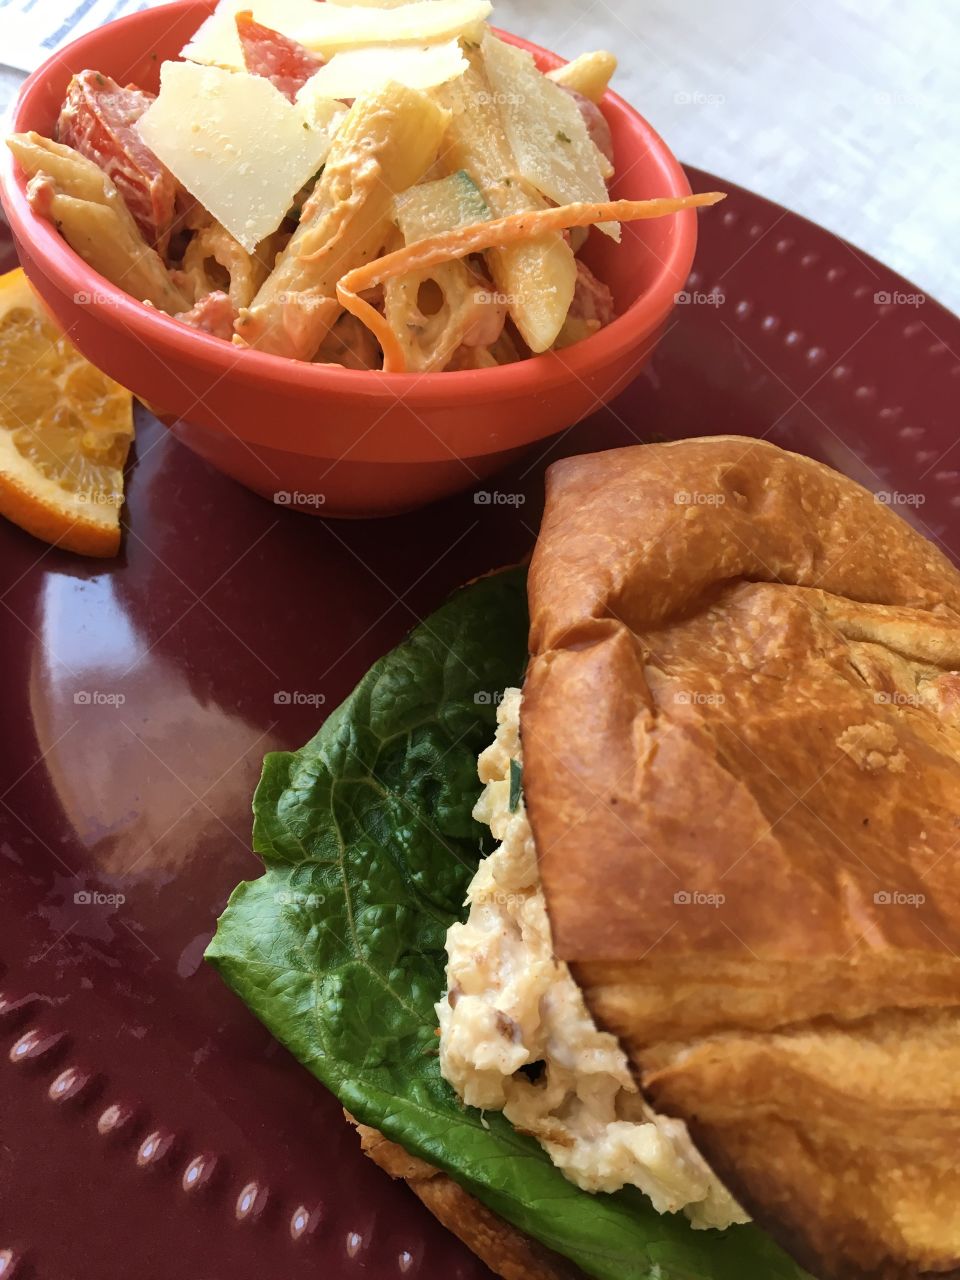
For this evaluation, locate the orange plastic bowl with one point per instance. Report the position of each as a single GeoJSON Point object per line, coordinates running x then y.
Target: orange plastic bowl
{"type": "Point", "coordinates": [341, 442]}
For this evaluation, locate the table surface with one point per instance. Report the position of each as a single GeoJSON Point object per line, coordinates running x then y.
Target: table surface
{"type": "Point", "coordinates": [844, 110]}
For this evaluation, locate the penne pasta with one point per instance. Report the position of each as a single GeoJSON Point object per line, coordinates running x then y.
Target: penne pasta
{"type": "Point", "coordinates": [73, 174]}
{"type": "Point", "coordinates": [537, 277]}
{"type": "Point", "coordinates": [386, 143]}
{"type": "Point", "coordinates": [434, 312]}
{"type": "Point", "coordinates": [590, 74]}
{"type": "Point", "coordinates": [428, 338]}
{"type": "Point", "coordinates": [245, 272]}
{"type": "Point", "coordinates": [486, 235]}
{"type": "Point", "coordinates": [83, 203]}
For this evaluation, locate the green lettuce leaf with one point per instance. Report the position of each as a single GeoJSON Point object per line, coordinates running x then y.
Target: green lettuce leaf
{"type": "Point", "coordinates": [369, 846]}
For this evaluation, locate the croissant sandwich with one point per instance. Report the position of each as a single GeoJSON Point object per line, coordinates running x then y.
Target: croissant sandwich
{"type": "Point", "coordinates": [700, 1015]}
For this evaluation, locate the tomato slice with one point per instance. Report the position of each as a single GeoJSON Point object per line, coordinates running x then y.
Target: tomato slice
{"type": "Point", "coordinates": [282, 61]}
{"type": "Point", "coordinates": [98, 119]}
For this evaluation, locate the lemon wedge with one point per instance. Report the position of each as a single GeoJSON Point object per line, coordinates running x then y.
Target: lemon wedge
{"type": "Point", "coordinates": [65, 430]}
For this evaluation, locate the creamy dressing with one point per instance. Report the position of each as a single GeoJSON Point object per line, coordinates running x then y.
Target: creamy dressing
{"type": "Point", "coordinates": [510, 1004]}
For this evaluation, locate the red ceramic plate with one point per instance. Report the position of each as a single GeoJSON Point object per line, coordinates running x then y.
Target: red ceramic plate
{"type": "Point", "coordinates": [149, 1126]}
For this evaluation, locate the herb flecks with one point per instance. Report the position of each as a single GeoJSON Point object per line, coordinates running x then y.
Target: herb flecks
{"type": "Point", "coordinates": [516, 785]}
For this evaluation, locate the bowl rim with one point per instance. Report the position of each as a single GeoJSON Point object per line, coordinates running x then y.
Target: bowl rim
{"type": "Point", "coordinates": [64, 267]}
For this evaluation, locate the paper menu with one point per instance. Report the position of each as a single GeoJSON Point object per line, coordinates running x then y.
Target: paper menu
{"type": "Point", "coordinates": [33, 30]}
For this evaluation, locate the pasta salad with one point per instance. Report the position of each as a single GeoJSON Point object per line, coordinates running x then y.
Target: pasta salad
{"type": "Point", "coordinates": [382, 187]}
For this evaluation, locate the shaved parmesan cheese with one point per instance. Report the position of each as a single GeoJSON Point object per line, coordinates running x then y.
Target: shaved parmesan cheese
{"type": "Point", "coordinates": [546, 131]}
{"type": "Point", "coordinates": [216, 42]}
{"type": "Point", "coordinates": [358, 71]}
{"type": "Point", "coordinates": [236, 144]}
{"type": "Point", "coordinates": [371, 4]}
{"type": "Point", "coordinates": [327, 29]}
{"type": "Point", "coordinates": [332, 28]}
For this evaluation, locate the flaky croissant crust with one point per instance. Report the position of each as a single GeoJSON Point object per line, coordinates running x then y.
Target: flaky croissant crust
{"type": "Point", "coordinates": [741, 731]}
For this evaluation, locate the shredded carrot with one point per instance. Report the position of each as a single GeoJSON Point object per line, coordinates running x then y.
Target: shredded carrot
{"type": "Point", "coordinates": [462, 241]}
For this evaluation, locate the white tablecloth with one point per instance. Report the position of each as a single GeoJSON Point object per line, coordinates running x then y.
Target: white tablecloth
{"type": "Point", "coordinates": [847, 111]}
